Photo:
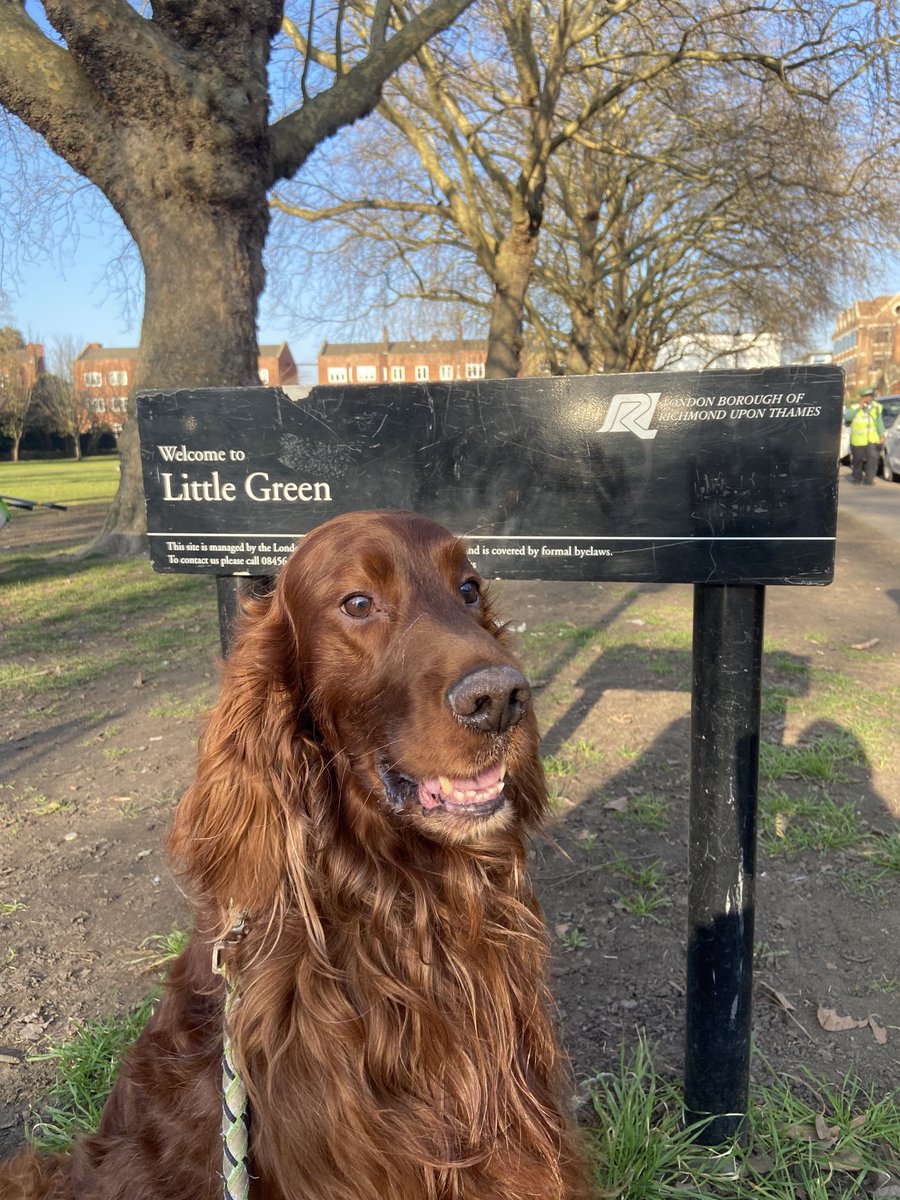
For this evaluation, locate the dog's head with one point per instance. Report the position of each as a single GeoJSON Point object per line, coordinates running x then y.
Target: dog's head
{"type": "Point", "coordinates": [371, 696]}
{"type": "Point", "coordinates": [408, 675]}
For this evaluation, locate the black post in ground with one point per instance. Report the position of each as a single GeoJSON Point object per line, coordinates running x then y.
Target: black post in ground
{"type": "Point", "coordinates": [227, 600]}
{"type": "Point", "coordinates": [725, 710]}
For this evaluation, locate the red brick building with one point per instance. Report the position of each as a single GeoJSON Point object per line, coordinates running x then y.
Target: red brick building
{"type": "Point", "coordinates": [28, 363]}
{"type": "Point", "coordinates": [276, 366]}
{"type": "Point", "coordinates": [402, 362]}
{"type": "Point", "coordinates": [105, 375]}
{"type": "Point", "coordinates": [866, 343]}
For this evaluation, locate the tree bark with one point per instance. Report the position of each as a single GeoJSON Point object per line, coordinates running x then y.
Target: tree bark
{"type": "Point", "coordinates": [203, 270]}
{"type": "Point", "coordinates": [512, 274]}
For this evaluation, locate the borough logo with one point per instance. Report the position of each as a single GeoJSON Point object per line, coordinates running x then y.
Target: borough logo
{"type": "Point", "coordinates": [631, 412]}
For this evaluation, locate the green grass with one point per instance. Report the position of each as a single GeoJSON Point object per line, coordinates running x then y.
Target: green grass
{"type": "Point", "coordinates": [822, 760]}
{"type": "Point", "coordinates": [886, 853]}
{"type": "Point", "coordinates": [648, 810]}
{"type": "Point", "coordinates": [573, 939]}
{"type": "Point", "coordinates": [792, 824]}
{"type": "Point", "coordinates": [61, 481]}
{"type": "Point", "coordinates": [647, 888]}
{"type": "Point", "coordinates": [173, 705]}
{"type": "Point", "coordinates": [67, 623]}
{"type": "Point", "coordinates": [813, 1140]}
{"type": "Point", "coordinates": [87, 1063]}
{"type": "Point", "coordinates": [86, 1068]}
{"type": "Point", "coordinates": [556, 766]}
{"type": "Point", "coordinates": [158, 950]}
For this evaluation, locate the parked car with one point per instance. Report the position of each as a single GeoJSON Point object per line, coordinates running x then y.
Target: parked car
{"type": "Point", "coordinates": [890, 451]}
{"type": "Point", "coordinates": [889, 464]}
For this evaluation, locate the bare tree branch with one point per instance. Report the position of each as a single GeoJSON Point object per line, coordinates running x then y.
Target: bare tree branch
{"type": "Point", "coordinates": [356, 91]}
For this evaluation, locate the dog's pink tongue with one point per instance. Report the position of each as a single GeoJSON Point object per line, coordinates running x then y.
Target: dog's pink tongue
{"type": "Point", "coordinates": [481, 787]}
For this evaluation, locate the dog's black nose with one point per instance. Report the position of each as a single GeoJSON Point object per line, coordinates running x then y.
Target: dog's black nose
{"type": "Point", "coordinates": [490, 699]}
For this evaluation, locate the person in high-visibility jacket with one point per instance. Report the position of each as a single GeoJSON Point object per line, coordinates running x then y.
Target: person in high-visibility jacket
{"type": "Point", "coordinates": [866, 436]}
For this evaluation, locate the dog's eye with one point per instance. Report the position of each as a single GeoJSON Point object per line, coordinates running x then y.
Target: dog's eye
{"type": "Point", "coordinates": [358, 605]}
{"type": "Point", "coordinates": [470, 591]}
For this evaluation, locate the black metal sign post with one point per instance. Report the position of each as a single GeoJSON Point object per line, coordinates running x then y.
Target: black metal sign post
{"type": "Point", "coordinates": [725, 714]}
{"type": "Point", "coordinates": [723, 479]}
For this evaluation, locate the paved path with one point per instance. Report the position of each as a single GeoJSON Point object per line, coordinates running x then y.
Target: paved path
{"type": "Point", "coordinates": [875, 507]}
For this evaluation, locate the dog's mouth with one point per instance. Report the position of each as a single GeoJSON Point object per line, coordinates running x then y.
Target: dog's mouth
{"type": "Point", "coordinates": [477, 796]}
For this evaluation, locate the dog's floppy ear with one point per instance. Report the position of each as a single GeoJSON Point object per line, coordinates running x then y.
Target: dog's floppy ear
{"type": "Point", "coordinates": [240, 833]}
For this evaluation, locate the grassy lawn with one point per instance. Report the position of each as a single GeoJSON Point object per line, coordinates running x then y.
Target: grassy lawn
{"type": "Point", "coordinates": [69, 621]}
{"type": "Point", "coordinates": [62, 481]}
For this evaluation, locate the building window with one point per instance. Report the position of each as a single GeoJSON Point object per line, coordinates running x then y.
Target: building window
{"type": "Point", "coordinates": [117, 378]}
{"type": "Point", "coordinates": [337, 374]}
{"type": "Point", "coordinates": [119, 404]}
{"type": "Point", "coordinates": [474, 370]}
{"type": "Point", "coordinates": [366, 375]}
{"type": "Point", "coordinates": [97, 405]}
{"type": "Point", "coordinates": [263, 374]}
{"type": "Point", "coordinates": [398, 374]}
{"type": "Point", "coordinates": [422, 374]}
{"type": "Point", "coordinates": [93, 379]}
{"type": "Point", "coordinates": [446, 371]}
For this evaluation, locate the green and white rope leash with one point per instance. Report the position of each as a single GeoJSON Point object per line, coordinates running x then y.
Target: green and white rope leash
{"type": "Point", "coordinates": [235, 1109]}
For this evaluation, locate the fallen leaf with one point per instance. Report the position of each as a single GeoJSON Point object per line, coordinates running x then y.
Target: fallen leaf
{"type": "Point", "coordinates": [830, 1019]}
{"type": "Point", "coordinates": [802, 1133]}
{"type": "Point", "coordinates": [888, 1191]}
{"type": "Point", "coordinates": [827, 1134]}
{"type": "Point", "coordinates": [867, 645]}
{"type": "Point", "coordinates": [879, 1031]}
{"type": "Point", "coordinates": [138, 680]}
{"type": "Point", "coordinates": [844, 1160]}
{"type": "Point", "coordinates": [618, 805]}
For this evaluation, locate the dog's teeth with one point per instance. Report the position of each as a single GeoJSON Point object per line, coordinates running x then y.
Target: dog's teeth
{"type": "Point", "coordinates": [502, 772]}
{"type": "Point", "coordinates": [446, 785]}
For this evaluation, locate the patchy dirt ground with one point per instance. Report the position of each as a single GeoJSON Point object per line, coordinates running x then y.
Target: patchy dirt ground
{"type": "Point", "coordinates": [85, 800]}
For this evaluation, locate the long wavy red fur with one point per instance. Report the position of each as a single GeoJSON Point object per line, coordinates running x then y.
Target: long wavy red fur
{"type": "Point", "coordinates": [393, 1022]}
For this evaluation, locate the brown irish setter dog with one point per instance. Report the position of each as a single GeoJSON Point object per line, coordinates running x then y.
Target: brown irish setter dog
{"type": "Point", "coordinates": [366, 786]}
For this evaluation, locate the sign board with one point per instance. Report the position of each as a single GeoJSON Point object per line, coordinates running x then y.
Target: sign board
{"type": "Point", "coordinates": [685, 477]}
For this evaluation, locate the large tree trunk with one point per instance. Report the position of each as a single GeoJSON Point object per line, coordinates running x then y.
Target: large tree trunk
{"type": "Point", "coordinates": [203, 277]}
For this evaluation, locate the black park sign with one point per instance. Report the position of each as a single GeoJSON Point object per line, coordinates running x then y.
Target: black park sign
{"type": "Point", "coordinates": [719, 476]}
